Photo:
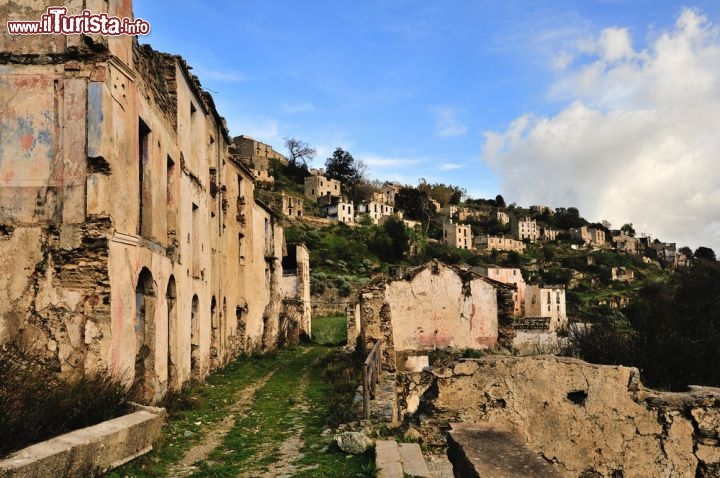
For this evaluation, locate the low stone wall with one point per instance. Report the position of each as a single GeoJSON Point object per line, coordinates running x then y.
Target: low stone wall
{"type": "Point", "coordinates": [587, 420]}
{"type": "Point", "coordinates": [90, 451]}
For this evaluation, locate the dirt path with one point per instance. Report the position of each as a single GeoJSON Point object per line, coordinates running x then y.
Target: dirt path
{"type": "Point", "coordinates": [213, 438]}
{"type": "Point", "coordinates": [289, 450]}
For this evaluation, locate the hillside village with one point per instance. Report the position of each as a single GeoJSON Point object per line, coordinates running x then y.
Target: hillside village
{"type": "Point", "coordinates": [552, 249]}
{"type": "Point", "coordinates": [143, 240]}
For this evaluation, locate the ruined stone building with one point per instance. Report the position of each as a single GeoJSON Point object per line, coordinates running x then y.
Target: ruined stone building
{"type": "Point", "coordinates": [547, 234]}
{"type": "Point", "coordinates": [508, 275]}
{"type": "Point", "coordinates": [590, 236]}
{"type": "Point", "coordinates": [374, 210]}
{"type": "Point", "coordinates": [502, 217]}
{"type": "Point", "coordinates": [318, 186]}
{"type": "Point", "coordinates": [485, 242]}
{"type": "Point", "coordinates": [525, 228]}
{"type": "Point", "coordinates": [131, 239]}
{"type": "Point", "coordinates": [340, 211]}
{"type": "Point", "coordinates": [292, 206]}
{"type": "Point", "coordinates": [257, 156]}
{"type": "Point", "coordinates": [457, 235]}
{"type": "Point", "coordinates": [432, 306]}
{"type": "Point", "coordinates": [546, 302]}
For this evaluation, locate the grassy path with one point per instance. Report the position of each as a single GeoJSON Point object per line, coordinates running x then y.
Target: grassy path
{"type": "Point", "coordinates": [258, 417]}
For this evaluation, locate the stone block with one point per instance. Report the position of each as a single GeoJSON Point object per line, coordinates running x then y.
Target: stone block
{"type": "Point", "coordinates": [87, 452]}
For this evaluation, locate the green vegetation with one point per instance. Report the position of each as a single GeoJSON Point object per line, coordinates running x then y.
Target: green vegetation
{"type": "Point", "coordinates": [300, 391]}
{"type": "Point", "coordinates": [329, 330]}
{"type": "Point", "coordinates": [35, 404]}
{"type": "Point", "coordinates": [670, 331]}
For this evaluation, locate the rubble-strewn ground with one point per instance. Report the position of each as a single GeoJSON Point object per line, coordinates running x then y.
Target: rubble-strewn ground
{"type": "Point", "coordinates": [256, 418]}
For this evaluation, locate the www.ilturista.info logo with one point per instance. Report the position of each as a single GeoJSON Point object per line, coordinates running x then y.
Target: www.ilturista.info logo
{"type": "Point", "coordinates": [56, 21]}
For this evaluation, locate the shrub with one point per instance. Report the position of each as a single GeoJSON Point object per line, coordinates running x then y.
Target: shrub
{"type": "Point", "coordinates": [35, 404]}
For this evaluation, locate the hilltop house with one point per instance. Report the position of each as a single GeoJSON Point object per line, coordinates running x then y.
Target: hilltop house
{"type": "Point", "coordinates": [374, 210]}
{"type": "Point", "coordinates": [318, 186]}
{"type": "Point", "coordinates": [589, 236]}
{"type": "Point", "coordinates": [457, 235]}
{"type": "Point", "coordinates": [257, 156]}
{"type": "Point", "coordinates": [485, 242]}
{"type": "Point", "coordinates": [525, 229]}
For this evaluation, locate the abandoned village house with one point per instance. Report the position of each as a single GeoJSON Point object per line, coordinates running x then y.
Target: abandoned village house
{"type": "Point", "coordinates": [130, 238]}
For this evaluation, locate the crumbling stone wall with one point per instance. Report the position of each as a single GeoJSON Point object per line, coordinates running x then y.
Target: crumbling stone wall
{"type": "Point", "coordinates": [55, 292]}
{"type": "Point", "coordinates": [434, 306]}
{"type": "Point", "coordinates": [587, 420]}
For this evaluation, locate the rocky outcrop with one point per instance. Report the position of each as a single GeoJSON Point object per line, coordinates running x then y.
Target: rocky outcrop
{"type": "Point", "coordinates": [585, 419]}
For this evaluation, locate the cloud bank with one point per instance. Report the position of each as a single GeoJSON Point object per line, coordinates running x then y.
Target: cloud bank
{"type": "Point", "coordinates": [638, 140]}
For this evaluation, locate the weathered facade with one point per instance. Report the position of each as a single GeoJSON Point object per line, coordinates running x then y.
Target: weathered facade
{"type": "Point", "coordinates": [296, 316]}
{"type": "Point", "coordinates": [525, 228]}
{"type": "Point", "coordinates": [433, 306]}
{"type": "Point", "coordinates": [257, 156]}
{"type": "Point", "coordinates": [292, 206]}
{"type": "Point", "coordinates": [131, 238]}
{"type": "Point", "coordinates": [318, 186]}
{"type": "Point", "coordinates": [485, 242]}
{"type": "Point", "coordinates": [457, 235]}
{"type": "Point", "coordinates": [508, 275]}
{"type": "Point", "coordinates": [548, 302]}
{"type": "Point", "coordinates": [340, 211]}
{"type": "Point", "coordinates": [591, 236]}
{"type": "Point", "coordinates": [374, 210]}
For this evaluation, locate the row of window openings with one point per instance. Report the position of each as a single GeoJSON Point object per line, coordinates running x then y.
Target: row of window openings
{"type": "Point", "coordinates": [145, 200]}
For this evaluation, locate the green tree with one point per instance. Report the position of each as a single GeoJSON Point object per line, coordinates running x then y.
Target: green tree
{"type": "Point", "coordinates": [703, 252]}
{"type": "Point", "coordinates": [391, 241]}
{"type": "Point", "coordinates": [343, 167]}
{"type": "Point", "coordinates": [499, 201]}
{"type": "Point", "coordinates": [414, 203]}
{"type": "Point", "coordinates": [628, 229]}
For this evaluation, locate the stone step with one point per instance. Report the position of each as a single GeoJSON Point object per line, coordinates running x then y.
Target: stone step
{"type": "Point", "coordinates": [387, 459]}
{"type": "Point", "coordinates": [480, 450]}
{"type": "Point", "coordinates": [413, 462]}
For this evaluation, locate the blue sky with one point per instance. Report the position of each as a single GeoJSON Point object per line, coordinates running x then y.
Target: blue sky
{"type": "Point", "coordinates": [494, 96]}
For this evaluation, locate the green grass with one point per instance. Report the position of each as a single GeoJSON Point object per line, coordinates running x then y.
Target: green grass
{"type": "Point", "coordinates": [252, 444]}
{"type": "Point", "coordinates": [329, 330]}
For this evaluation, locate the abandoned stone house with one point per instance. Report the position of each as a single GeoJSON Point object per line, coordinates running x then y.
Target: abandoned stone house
{"type": "Point", "coordinates": [292, 206]}
{"type": "Point", "coordinates": [590, 236]}
{"type": "Point", "coordinates": [433, 306]}
{"type": "Point", "coordinates": [374, 210]}
{"type": "Point", "coordinates": [508, 275]}
{"type": "Point", "coordinates": [457, 235]}
{"type": "Point", "coordinates": [485, 242]}
{"type": "Point", "coordinates": [131, 239]}
{"type": "Point", "coordinates": [546, 302]}
{"type": "Point", "coordinates": [525, 228]}
{"type": "Point", "coordinates": [257, 156]}
{"type": "Point", "coordinates": [318, 186]}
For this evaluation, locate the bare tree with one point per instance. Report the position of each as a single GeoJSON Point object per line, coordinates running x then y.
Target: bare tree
{"type": "Point", "coordinates": [299, 151]}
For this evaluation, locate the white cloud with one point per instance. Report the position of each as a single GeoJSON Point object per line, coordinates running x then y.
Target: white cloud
{"type": "Point", "coordinates": [380, 161]}
{"type": "Point", "coordinates": [615, 44]}
{"type": "Point", "coordinates": [447, 124]}
{"type": "Point", "coordinates": [451, 166]}
{"type": "Point", "coordinates": [637, 141]}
